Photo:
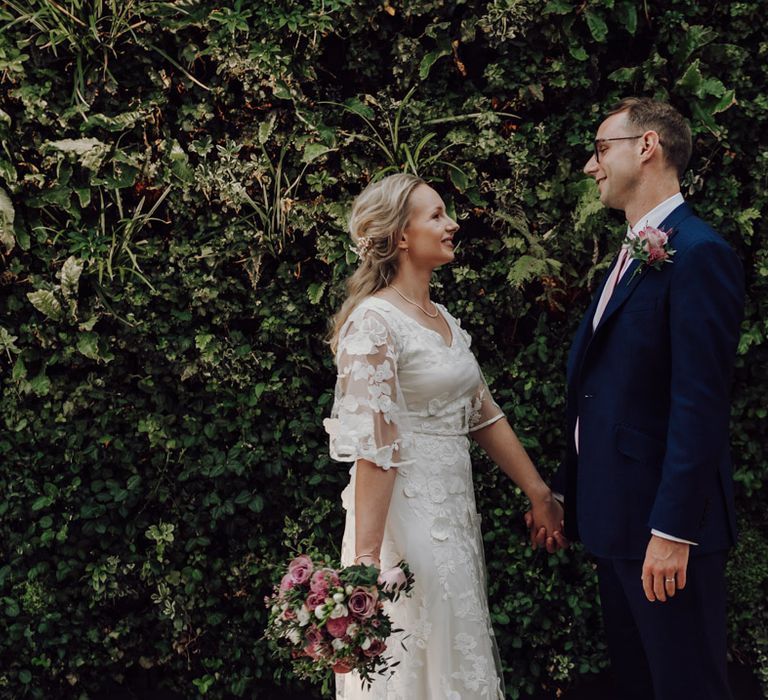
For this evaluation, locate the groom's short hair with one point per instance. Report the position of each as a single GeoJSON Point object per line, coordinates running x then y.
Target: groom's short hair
{"type": "Point", "coordinates": [661, 117]}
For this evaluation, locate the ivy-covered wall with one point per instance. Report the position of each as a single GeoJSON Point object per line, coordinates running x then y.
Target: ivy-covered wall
{"type": "Point", "coordinates": [174, 181]}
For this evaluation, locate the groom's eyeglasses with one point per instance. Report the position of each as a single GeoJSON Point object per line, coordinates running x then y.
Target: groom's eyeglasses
{"type": "Point", "coordinates": [597, 142]}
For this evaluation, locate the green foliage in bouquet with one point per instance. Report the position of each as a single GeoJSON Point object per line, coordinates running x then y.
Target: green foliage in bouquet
{"type": "Point", "coordinates": [174, 183]}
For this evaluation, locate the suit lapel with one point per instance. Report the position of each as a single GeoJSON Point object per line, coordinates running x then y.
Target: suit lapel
{"type": "Point", "coordinates": [627, 284]}
{"type": "Point", "coordinates": [583, 334]}
{"type": "Point", "coordinates": [632, 278]}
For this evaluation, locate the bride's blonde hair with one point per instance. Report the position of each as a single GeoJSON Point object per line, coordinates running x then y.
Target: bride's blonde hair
{"type": "Point", "coordinates": [379, 217]}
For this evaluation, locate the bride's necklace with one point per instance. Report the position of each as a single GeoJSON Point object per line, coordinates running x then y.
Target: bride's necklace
{"type": "Point", "coordinates": [418, 306]}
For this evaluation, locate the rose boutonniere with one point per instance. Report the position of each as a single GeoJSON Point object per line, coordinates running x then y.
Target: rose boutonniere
{"type": "Point", "coordinates": [651, 247]}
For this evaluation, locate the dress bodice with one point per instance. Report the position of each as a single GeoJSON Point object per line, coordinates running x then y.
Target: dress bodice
{"type": "Point", "coordinates": [397, 378]}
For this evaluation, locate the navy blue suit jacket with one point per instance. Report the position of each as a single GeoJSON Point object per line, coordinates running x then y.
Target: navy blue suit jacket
{"type": "Point", "coordinates": [651, 389]}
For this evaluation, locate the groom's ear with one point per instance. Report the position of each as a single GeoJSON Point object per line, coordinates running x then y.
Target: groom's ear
{"type": "Point", "coordinates": [650, 143]}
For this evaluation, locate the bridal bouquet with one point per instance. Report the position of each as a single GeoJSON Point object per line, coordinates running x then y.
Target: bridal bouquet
{"type": "Point", "coordinates": [325, 618]}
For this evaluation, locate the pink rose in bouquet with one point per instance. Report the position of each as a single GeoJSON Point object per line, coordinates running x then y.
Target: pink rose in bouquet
{"type": "Point", "coordinates": [315, 599]}
{"type": "Point", "coordinates": [323, 580]}
{"type": "Point", "coordinates": [315, 647]}
{"type": "Point", "coordinates": [376, 648]}
{"type": "Point", "coordinates": [337, 627]}
{"type": "Point", "coordinates": [313, 634]}
{"type": "Point", "coordinates": [362, 602]}
{"type": "Point", "coordinates": [344, 665]}
{"type": "Point", "coordinates": [300, 569]}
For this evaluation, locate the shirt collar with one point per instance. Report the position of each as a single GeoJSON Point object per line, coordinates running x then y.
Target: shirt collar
{"type": "Point", "coordinates": [656, 216]}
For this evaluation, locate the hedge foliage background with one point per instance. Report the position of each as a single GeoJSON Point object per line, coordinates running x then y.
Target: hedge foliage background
{"type": "Point", "coordinates": [175, 177]}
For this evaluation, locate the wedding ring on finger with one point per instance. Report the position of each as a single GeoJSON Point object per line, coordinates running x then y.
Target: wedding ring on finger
{"type": "Point", "coordinates": [669, 580]}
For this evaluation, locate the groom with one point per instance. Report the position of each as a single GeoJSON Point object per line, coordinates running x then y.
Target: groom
{"type": "Point", "coordinates": [648, 476]}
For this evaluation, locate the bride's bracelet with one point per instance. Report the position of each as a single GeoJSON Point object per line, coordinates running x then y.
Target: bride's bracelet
{"type": "Point", "coordinates": [367, 554]}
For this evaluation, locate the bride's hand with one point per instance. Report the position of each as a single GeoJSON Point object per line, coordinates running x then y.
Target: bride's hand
{"type": "Point", "coordinates": [545, 523]}
{"type": "Point", "coordinates": [368, 560]}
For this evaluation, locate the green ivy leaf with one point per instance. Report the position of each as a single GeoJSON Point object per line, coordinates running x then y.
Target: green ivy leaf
{"type": "Point", "coordinates": [265, 129]}
{"type": "Point", "coordinates": [558, 7]}
{"type": "Point", "coordinates": [46, 303]}
{"type": "Point", "coordinates": [256, 504]}
{"type": "Point", "coordinates": [88, 345]}
{"type": "Point", "coordinates": [726, 101]}
{"type": "Point", "coordinates": [315, 292]}
{"type": "Point", "coordinates": [458, 178]}
{"type": "Point", "coordinates": [312, 151]}
{"type": "Point", "coordinates": [88, 324]}
{"type": "Point", "coordinates": [578, 52]}
{"type": "Point", "coordinates": [11, 608]}
{"type": "Point", "coordinates": [40, 384]}
{"type": "Point", "coordinates": [433, 57]}
{"type": "Point", "coordinates": [626, 13]}
{"type": "Point", "coordinates": [597, 26]}
{"type": "Point", "coordinates": [624, 75]}
{"type": "Point", "coordinates": [281, 91]}
{"type": "Point", "coordinates": [203, 340]}
{"type": "Point", "coordinates": [694, 38]}
{"type": "Point", "coordinates": [356, 106]}
{"type": "Point", "coordinates": [8, 342]}
{"type": "Point", "coordinates": [83, 195]}
{"type": "Point", "coordinates": [19, 370]}
{"type": "Point", "coordinates": [70, 277]}
{"type": "Point", "coordinates": [41, 502]}
{"type": "Point", "coordinates": [692, 78]}
{"type": "Point", "coordinates": [7, 215]}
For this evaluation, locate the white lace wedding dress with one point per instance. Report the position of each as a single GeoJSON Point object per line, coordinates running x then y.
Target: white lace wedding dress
{"type": "Point", "coordinates": [407, 400]}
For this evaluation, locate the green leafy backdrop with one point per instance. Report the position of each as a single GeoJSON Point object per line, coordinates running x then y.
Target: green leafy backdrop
{"type": "Point", "coordinates": [174, 181]}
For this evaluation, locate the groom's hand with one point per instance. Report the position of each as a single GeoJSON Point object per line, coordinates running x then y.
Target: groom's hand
{"type": "Point", "coordinates": [539, 538]}
{"type": "Point", "coordinates": [664, 568]}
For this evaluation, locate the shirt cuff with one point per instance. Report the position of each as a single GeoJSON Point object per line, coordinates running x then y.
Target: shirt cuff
{"type": "Point", "coordinates": [665, 536]}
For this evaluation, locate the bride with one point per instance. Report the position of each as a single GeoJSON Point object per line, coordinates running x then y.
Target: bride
{"type": "Point", "coordinates": [409, 392]}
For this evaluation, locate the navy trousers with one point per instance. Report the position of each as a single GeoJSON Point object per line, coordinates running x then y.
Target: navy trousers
{"type": "Point", "coordinates": [666, 651]}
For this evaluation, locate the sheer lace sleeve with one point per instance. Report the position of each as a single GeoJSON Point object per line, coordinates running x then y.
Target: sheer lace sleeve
{"type": "Point", "coordinates": [368, 420]}
{"type": "Point", "coordinates": [484, 409]}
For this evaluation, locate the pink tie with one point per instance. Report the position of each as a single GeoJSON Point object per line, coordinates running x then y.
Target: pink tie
{"type": "Point", "coordinates": [610, 285]}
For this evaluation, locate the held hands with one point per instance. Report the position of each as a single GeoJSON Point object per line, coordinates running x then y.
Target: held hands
{"type": "Point", "coordinates": [545, 524]}
{"type": "Point", "coordinates": [664, 568]}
